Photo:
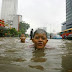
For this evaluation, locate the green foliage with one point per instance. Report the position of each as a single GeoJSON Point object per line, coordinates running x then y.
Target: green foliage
{"type": "Point", "coordinates": [27, 35]}
{"type": "Point", "coordinates": [23, 27]}
{"type": "Point", "coordinates": [13, 31]}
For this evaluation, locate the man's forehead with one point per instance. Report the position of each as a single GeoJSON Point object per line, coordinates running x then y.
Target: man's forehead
{"type": "Point", "coordinates": [40, 34]}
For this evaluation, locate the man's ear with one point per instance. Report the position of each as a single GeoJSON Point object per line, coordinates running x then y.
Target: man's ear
{"type": "Point", "coordinates": [47, 40]}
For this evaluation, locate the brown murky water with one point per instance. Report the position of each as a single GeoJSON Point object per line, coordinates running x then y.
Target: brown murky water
{"type": "Point", "coordinates": [19, 57]}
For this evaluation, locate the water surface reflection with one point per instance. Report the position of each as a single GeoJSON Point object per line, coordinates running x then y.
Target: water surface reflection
{"type": "Point", "coordinates": [16, 56]}
{"type": "Point", "coordinates": [38, 56]}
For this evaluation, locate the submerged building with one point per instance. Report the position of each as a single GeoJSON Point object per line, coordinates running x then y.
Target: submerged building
{"type": "Point", "coordinates": [16, 20]}
{"type": "Point", "coordinates": [63, 26]}
{"type": "Point", "coordinates": [9, 13]}
{"type": "Point", "coordinates": [9, 9]}
{"type": "Point", "coordinates": [68, 23]}
{"type": "Point", "coordinates": [68, 14]}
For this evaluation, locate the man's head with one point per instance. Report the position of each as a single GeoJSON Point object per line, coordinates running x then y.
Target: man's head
{"type": "Point", "coordinates": [40, 38]}
{"type": "Point", "coordinates": [22, 35]}
{"type": "Point", "coordinates": [32, 29]}
{"type": "Point", "coordinates": [22, 38]}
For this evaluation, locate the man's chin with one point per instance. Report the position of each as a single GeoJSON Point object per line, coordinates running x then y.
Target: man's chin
{"type": "Point", "coordinates": [39, 47]}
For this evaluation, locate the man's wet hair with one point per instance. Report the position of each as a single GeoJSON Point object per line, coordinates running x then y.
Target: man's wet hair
{"type": "Point", "coordinates": [40, 31]}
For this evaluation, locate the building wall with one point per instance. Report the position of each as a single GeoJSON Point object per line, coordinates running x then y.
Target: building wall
{"type": "Point", "coordinates": [68, 14]}
{"type": "Point", "coordinates": [63, 26]}
{"type": "Point", "coordinates": [17, 19]}
{"type": "Point", "coordinates": [9, 9]}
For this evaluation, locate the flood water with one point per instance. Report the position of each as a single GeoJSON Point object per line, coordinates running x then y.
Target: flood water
{"type": "Point", "coordinates": [20, 57]}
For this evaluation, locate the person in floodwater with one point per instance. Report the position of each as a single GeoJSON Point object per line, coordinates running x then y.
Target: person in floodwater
{"type": "Point", "coordinates": [31, 34]}
{"type": "Point", "coordinates": [40, 39]}
{"type": "Point", "coordinates": [22, 38]}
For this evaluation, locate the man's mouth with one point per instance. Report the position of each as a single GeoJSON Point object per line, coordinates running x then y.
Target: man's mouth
{"type": "Point", "coordinates": [40, 44]}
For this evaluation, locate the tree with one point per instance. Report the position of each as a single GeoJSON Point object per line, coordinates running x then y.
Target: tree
{"type": "Point", "coordinates": [23, 27]}
{"type": "Point", "coordinates": [13, 31]}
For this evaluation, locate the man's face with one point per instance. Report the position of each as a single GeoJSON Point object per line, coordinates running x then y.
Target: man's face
{"type": "Point", "coordinates": [40, 40]}
{"type": "Point", "coordinates": [22, 35]}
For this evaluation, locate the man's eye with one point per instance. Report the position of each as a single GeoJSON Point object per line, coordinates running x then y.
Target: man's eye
{"type": "Point", "coordinates": [36, 37]}
{"type": "Point", "coordinates": [43, 38]}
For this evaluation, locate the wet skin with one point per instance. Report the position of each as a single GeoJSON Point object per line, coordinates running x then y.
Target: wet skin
{"type": "Point", "coordinates": [23, 38]}
{"type": "Point", "coordinates": [40, 40]}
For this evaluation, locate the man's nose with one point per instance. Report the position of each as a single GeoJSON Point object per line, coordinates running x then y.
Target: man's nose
{"type": "Point", "coordinates": [40, 39]}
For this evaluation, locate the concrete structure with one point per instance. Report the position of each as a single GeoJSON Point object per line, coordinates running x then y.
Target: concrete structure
{"type": "Point", "coordinates": [9, 10]}
{"type": "Point", "coordinates": [16, 20]}
{"type": "Point", "coordinates": [63, 26]}
{"type": "Point", "coordinates": [68, 14]}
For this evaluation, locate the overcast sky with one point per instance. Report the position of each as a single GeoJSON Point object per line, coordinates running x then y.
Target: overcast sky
{"type": "Point", "coordinates": [42, 13]}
